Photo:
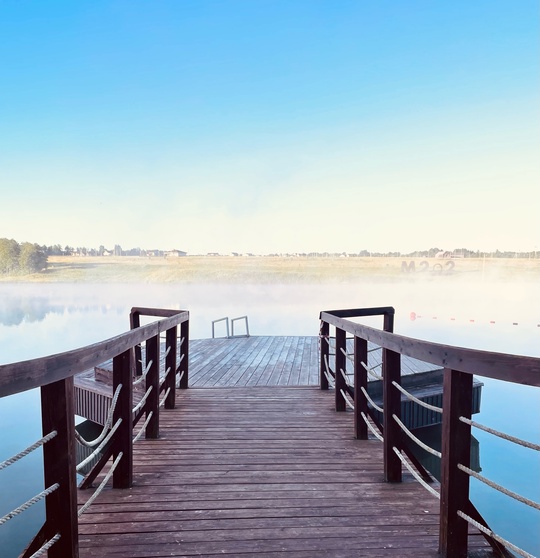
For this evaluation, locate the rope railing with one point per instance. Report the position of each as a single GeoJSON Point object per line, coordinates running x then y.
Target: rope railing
{"type": "Point", "coordinates": [346, 377]}
{"type": "Point", "coordinates": [104, 442]}
{"type": "Point", "coordinates": [162, 402]}
{"type": "Point", "coordinates": [106, 426]}
{"type": "Point", "coordinates": [142, 377]}
{"type": "Point", "coordinates": [46, 546]}
{"type": "Point", "coordinates": [502, 435]}
{"type": "Point", "coordinates": [370, 401]}
{"type": "Point", "coordinates": [28, 450]}
{"type": "Point", "coordinates": [347, 400]}
{"type": "Point", "coordinates": [370, 370]}
{"type": "Point", "coordinates": [329, 377]}
{"type": "Point", "coordinates": [143, 427]}
{"type": "Point", "coordinates": [373, 431]}
{"type": "Point", "coordinates": [416, 400]}
{"type": "Point", "coordinates": [101, 486]}
{"type": "Point", "coordinates": [179, 380]}
{"type": "Point", "coordinates": [167, 351]}
{"type": "Point", "coordinates": [143, 400]}
{"type": "Point", "coordinates": [498, 487]}
{"type": "Point", "coordinates": [430, 489]}
{"type": "Point", "coordinates": [416, 440]}
{"type": "Point", "coordinates": [347, 355]}
{"type": "Point", "coordinates": [494, 536]}
{"type": "Point", "coordinates": [374, 349]}
{"type": "Point", "coordinates": [29, 503]}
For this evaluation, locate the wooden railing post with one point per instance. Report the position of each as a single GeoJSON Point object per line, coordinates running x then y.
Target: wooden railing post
{"type": "Point", "coordinates": [456, 448]}
{"type": "Point", "coordinates": [360, 381]}
{"type": "Point", "coordinates": [184, 351]}
{"type": "Point", "coordinates": [340, 364]}
{"type": "Point", "coordinates": [58, 413]}
{"type": "Point", "coordinates": [152, 379]}
{"type": "Point", "coordinates": [392, 406]}
{"type": "Point", "coordinates": [325, 352]}
{"type": "Point", "coordinates": [134, 322]}
{"type": "Point", "coordinates": [170, 364]}
{"type": "Point", "coordinates": [123, 474]}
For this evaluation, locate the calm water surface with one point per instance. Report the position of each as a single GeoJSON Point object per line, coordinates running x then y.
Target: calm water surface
{"type": "Point", "coordinates": [46, 319]}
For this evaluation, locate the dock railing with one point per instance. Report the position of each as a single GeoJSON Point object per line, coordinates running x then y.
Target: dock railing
{"type": "Point", "coordinates": [53, 375]}
{"type": "Point", "coordinates": [347, 341]}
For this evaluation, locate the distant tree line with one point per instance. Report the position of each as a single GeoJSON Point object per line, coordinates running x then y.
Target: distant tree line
{"type": "Point", "coordinates": [21, 258]}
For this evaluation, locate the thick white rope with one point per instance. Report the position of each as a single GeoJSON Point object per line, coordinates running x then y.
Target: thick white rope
{"type": "Point", "coordinates": [498, 487]}
{"type": "Point", "coordinates": [101, 486]}
{"type": "Point", "coordinates": [430, 489]}
{"type": "Point", "coordinates": [100, 447]}
{"type": "Point", "coordinates": [144, 374]}
{"type": "Point", "coordinates": [181, 341]}
{"type": "Point", "coordinates": [331, 381]}
{"type": "Point", "coordinates": [167, 351]}
{"type": "Point", "coordinates": [345, 377]}
{"type": "Point", "coordinates": [29, 503]}
{"type": "Point", "coordinates": [28, 450]}
{"type": "Point", "coordinates": [347, 355]}
{"type": "Point", "coordinates": [491, 534]}
{"type": "Point", "coordinates": [370, 370]}
{"type": "Point", "coordinates": [416, 440]}
{"type": "Point", "coordinates": [373, 431]}
{"type": "Point", "coordinates": [162, 402]}
{"type": "Point", "coordinates": [502, 435]}
{"type": "Point", "coordinates": [349, 403]}
{"type": "Point", "coordinates": [46, 546]}
{"type": "Point", "coordinates": [143, 427]}
{"type": "Point", "coordinates": [106, 426]}
{"type": "Point", "coordinates": [143, 400]}
{"type": "Point", "coordinates": [416, 400]}
{"type": "Point", "coordinates": [370, 401]}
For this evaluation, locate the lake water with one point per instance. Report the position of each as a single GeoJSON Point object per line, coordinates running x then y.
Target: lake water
{"type": "Point", "coordinates": [36, 320]}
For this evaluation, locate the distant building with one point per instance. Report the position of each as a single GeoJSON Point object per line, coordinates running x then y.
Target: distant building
{"type": "Point", "coordinates": [175, 253]}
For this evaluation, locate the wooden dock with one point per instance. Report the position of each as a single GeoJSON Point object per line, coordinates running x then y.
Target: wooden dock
{"type": "Point", "coordinates": [255, 465]}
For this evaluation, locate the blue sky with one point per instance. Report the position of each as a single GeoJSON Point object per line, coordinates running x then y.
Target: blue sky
{"type": "Point", "coordinates": [269, 126]}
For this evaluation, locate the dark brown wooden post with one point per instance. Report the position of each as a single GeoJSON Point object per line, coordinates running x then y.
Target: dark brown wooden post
{"type": "Point", "coordinates": [183, 369]}
{"type": "Point", "coordinates": [340, 364]}
{"type": "Point", "coordinates": [170, 364]}
{"type": "Point", "coordinates": [152, 379]}
{"type": "Point", "coordinates": [325, 353]}
{"type": "Point", "coordinates": [360, 380]}
{"type": "Point", "coordinates": [392, 406]}
{"type": "Point", "coordinates": [388, 321]}
{"type": "Point", "coordinates": [134, 322]}
{"type": "Point", "coordinates": [123, 474]}
{"type": "Point", "coordinates": [456, 448]}
{"type": "Point", "coordinates": [58, 413]}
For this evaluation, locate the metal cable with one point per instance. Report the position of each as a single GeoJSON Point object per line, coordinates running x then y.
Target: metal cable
{"type": "Point", "coordinates": [28, 450]}
{"type": "Point", "coordinates": [498, 487]}
{"type": "Point", "coordinates": [491, 534]}
{"type": "Point", "coordinates": [370, 401]}
{"type": "Point", "coordinates": [100, 447]}
{"type": "Point", "coordinates": [416, 400]}
{"type": "Point", "coordinates": [416, 475]}
{"type": "Point", "coordinates": [29, 503]}
{"type": "Point", "coordinates": [373, 431]}
{"type": "Point", "coordinates": [101, 486]}
{"type": "Point", "coordinates": [106, 426]}
{"type": "Point", "coordinates": [502, 435]}
{"type": "Point", "coordinates": [416, 440]}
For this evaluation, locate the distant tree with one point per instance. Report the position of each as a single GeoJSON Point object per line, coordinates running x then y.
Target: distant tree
{"type": "Point", "coordinates": [32, 258]}
{"type": "Point", "coordinates": [9, 256]}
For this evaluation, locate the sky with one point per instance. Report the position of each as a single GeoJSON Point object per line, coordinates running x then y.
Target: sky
{"type": "Point", "coordinates": [271, 125]}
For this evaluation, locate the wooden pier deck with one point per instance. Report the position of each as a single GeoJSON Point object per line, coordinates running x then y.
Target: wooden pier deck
{"type": "Point", "coordinates": [260, 471]}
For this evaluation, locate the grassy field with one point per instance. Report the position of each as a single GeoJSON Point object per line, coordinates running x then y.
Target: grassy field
{"type": "Point", "coordinates": [199, 269]}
